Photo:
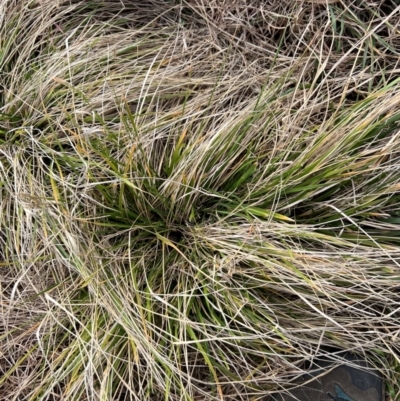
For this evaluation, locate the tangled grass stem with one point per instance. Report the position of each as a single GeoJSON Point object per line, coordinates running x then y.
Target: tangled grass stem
{"type": "Point", "coordinates": [196, 197]}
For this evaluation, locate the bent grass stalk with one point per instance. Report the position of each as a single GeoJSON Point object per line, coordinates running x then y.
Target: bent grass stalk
{"type": "Point", "coordinates": [187, 218]}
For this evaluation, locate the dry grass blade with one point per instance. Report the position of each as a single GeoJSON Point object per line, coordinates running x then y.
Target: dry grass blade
{"type": "Point", "coordinates": [196, 197]}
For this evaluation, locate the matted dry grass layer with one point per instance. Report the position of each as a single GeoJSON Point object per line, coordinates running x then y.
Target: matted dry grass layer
{"type": "Point", "coordinates": [196, 197]}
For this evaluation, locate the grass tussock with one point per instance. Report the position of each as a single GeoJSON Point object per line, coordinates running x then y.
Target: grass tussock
{"type": "Point", "coordinates": [196, 197]}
